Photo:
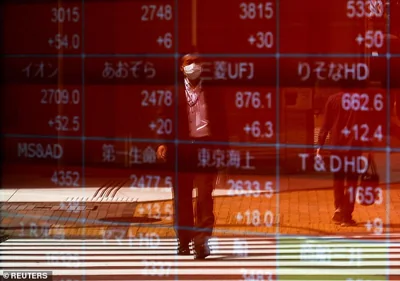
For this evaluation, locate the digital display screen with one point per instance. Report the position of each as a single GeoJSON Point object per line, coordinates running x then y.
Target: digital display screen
{"type": "Point", "coordinates": [100, 162]}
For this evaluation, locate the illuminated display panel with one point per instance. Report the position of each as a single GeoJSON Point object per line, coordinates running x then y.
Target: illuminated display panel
{"type": "Point", "coordinates": [138, 94]}
{"type": "Point", "coordinates": [44, 95]}
{"type": "Point", "coordinates": [332, 161]}
{"type": "Point", "coordinates": [132, 164]}
{"type": "Point", "coordinates": [347, 75]}
{"type": "Point", "coordinates": [245, 90]}
{"type": "Point", "coordinates": [311, 26]}
{"type": "Point", "coordinates": [41, 163]}
{"type": "Point", "coordinates": [127, 27]}
{"type": "Point", "coordinates": [56, 28]}
{"type": "Point", "coordinates": [233, 27]}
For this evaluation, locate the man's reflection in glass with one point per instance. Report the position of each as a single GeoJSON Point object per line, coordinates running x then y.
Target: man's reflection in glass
{"type": "Point", "coordinates": [336, 120]}
{"type": "Point", "coordinates": [190, 176]}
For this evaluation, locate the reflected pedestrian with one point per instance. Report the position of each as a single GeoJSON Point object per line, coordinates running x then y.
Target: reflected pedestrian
{"type": "Point", "coordinates": [335, 120]}
{"type": "Point", "coordinates": [199, 121]}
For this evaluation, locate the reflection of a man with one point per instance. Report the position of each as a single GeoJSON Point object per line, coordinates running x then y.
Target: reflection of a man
{"type": "Point", "coordinates": [336, 119]}
{"type": "Point", "coordinates": [200, 129]}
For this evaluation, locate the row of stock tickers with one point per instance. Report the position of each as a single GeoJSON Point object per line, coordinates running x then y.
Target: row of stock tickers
{"type": "Point", "coordinates": [93, 87]}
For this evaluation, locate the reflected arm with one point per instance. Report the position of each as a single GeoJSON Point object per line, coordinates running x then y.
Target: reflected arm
{"type": "Point", "coordinates": [327, 123]}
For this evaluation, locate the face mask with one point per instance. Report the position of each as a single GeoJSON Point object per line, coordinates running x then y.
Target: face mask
{"type": "Point", "coordinates": [192, 71]}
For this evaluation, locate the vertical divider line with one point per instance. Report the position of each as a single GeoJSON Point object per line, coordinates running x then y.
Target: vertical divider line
{"type": "Point", "coordinates": [388, 150]}
{"type": "Point", "coordinates": [277, 133]}
{"type": "Point", "coordinates": [176, 123]}
{"type": "Point", "coordinates": [83, 138]}
{"type": "Point", "coordinates": [83, 178]}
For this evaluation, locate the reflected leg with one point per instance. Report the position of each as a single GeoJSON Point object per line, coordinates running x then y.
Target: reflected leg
{"type": "Point", "coordinates": [183, 208]}
{"type": "Point", "coordinates": [339, 190]}
{"type": "Point", "coordinates": [352, 181]}
{"type": "Point", "coordinates": [204, 213]}
{"type": "Point", "coordinates": [205, 207]}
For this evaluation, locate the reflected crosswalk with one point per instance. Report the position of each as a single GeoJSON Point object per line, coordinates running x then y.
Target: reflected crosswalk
{"type": "Point", "coordinates": [284, 258]}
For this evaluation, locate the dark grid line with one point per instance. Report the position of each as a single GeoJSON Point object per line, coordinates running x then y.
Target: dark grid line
{"type": "Point", "coordinates": [277, 129]}
{"type": "Point", "coordinates": [83, 127]}
{"type": "Point", "coordinates": [205, 55]}
{"type": "Point", "coordinates": [176, 116]}
{"type": "Point", "coordinates": [388, 119]}
{"type": "Point", "coordinates": [231, 144]}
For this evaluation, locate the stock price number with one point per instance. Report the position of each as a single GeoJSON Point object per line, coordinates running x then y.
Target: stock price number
{"type": "Point", "coordinates": [365, 195]}
{"type": "Point", "coordinates": [161, 126]}
{"type": "Point", "coordinates": [362, 102]}
{"type": "Point", "coordinates": [156, 98]}
{"type": "Point", "coordinates": [154, 211]}
{"type": "Point", "coordinates": [156, 12]}
{"type": "Point", "coordinates": [376, 226]}
{"type": "Point", "coordinates": [255, 218]}
{"type": "Point", "coordinates": [372, 39]}
{"type": "Point", "coordinates": [65, 41]}
{"type": "Point", "coordinates": [60, 96]}
{"type": "Point", "coordinates": [61, 15]}
{"type": "Point", "coordinates": [250, 188]}
{"type": "Point", "coordinates": [65, 124]}
{"type": "Point", "coordinates": [252, 11]}
{"type": "Point", "coordinates": [65, 178]}
{"type": "Point", "coordinates": [361, 9]}
{"type": "Point", "coordinates": [361, 133]}
{"type": "Point", "coordinates": [156, 268]}
{"type": "Point", "coordinates": [255, 275]}
{"type": "Point", "coordinates": [165, 40]}
{"type": "Point", "coordinates": [252, 100]}
{"type": "Point", "coordinates": [257, 130]}
{"type": "Point", "coordinates": [150, 181]}
{"type": "Point", "coordinates": [262, 39]}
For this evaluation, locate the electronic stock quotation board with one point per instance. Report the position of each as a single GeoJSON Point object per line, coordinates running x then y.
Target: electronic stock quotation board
{"type": "Point", "coordinates": [92, 88]}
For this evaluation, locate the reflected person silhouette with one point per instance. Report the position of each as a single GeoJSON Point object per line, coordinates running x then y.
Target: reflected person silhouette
{"type": "Point", "coordinates": [335, 120]}
{"type": "Point", "coordinates": [197, 126]}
